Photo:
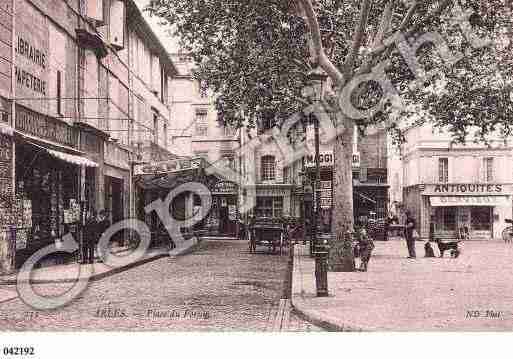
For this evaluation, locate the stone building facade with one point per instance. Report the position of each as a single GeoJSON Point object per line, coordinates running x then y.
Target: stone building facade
{"type": "Point", "coordinates": [456, 191]}
{"type": "Point", "coordinates": [197, 133]}
{"type": "Point", "coordinates": [83, 94]}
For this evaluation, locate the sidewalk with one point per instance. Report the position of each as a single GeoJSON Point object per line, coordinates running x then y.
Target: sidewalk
{"type": "Point", "coordinates": [69, 272]}
{"type": "Point", "coordinates": [400, 294]}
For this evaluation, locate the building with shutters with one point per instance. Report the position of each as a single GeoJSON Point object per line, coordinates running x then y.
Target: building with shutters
{"type": "Point", "coordinates": [456, 190]}
{"type": "Point", "coordinates": [197, 133]}
{"type": "Point", "coordinates": [84, 92]}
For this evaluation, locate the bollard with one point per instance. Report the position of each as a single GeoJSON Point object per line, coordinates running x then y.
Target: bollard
{"type": "Point", "coordinates": [321, 271]}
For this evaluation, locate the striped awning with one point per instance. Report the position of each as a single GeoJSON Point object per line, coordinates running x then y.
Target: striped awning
{"type": "Point", "coordinates": [74, 159]}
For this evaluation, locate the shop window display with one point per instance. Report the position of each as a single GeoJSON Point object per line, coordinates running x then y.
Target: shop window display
{"type": "Point", "coordinates": [481, 218]}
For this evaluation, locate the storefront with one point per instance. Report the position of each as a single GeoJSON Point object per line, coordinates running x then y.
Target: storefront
{"type": "Point", "coordinates": [474, 210]}
{"type": "Point", "coordinates": [222, 218]}
{"type": "Point", "coordinates": [155, 180]}
{"type": "Point", "coordinates": [273, 200]}
{"type": "Point", "coordinates": [48, 171]}
{"type": "Point", "coordinates": [116, 179]}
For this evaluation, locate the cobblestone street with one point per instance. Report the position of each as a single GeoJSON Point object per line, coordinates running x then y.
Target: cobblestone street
{"type": "Point", "coordinates": [219, 287]}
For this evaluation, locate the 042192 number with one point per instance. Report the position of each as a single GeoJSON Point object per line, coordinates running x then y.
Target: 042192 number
{"type": "Point", "coordinates": [18, 351]}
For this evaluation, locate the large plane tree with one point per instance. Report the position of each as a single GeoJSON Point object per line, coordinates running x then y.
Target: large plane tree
{"type": "Point", "coordinates": [449, 62]}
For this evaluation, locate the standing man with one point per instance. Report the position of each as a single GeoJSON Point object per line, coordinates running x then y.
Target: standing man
{"type": "Point", "coordinates": [410, 226]}
{"type": "Point", "coordinates": [102, 226]}
{"type": "Point", "coordinates": [89, 237]}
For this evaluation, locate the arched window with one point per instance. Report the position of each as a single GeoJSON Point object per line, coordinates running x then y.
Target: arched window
{"type": "Point", "coordinates": [268, 168]}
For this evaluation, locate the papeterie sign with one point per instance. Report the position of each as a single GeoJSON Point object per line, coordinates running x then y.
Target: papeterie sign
{"type": "Point", "coordinates": [169, 166]}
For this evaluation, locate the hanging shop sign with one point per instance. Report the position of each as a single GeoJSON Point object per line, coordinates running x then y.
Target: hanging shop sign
{"type": "Point", "coordinates": [45, 127]}
{"type": "Point", "coordinates": [169, 166]}
{"type": "Point", "coordinates": [326, 159]}
{"type": "Point", "coordinates": [356, 160]}
{"type": "Point", "coordinates": [224, 187]}
{"type": "Point", "coordinates": [446, 201]}
{"type": "Point", "coordinates": [466, 189]}
{"type": "Point", "coordinates": [232, 212]}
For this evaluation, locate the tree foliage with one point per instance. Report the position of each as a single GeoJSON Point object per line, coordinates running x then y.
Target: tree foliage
{"type": "Point", "coordinates": [255, 55]}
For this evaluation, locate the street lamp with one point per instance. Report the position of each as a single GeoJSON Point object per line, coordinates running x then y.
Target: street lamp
{"type": "Point", "coordinates": [316, 81]}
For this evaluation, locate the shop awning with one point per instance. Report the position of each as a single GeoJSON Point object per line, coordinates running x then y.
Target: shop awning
{"type": "Point", "coordinates": [74, 159]}
{"type": "Point", "coordinates": [168, 181]}
{"type": "Point", "coordinates": [67, 157]}
{"type": "Point", "coordinates": [449, 201]}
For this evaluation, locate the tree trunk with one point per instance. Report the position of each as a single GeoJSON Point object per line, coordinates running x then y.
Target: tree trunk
{"type": "Point", "coordinates": [341, 257]}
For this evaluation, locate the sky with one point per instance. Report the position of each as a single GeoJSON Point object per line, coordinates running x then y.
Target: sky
{"type": "Point", "coordinates": [169, 43]}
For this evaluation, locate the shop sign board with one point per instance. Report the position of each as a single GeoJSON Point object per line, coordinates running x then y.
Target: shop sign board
{"type": "Point", "coordinates": [45, 127]}
{"type": "Point", "coordinates": [32, 49]}
{"type": "Point", "coordinates": [169, 166]}
{"type": "Point", "coordinates": [326, 159]}
{"type": "Point", "coordinates": [458, 189]}
{"type": "Point", "coordinates": [224, 187]}
{"type": "Point", "coordinates": [446, 201]}
{"type": "Point", "coordinates": [326, 202]}
{"type": "Point", "coordinates": [356, 160]}
{"type": "Point", "coordinates": [232, 212]}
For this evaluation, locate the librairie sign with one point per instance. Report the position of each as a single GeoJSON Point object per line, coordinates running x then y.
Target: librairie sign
{"type": "Point", "coordinates": [455, 189]}
{"type": "Point", "coordinates": [169, 166]}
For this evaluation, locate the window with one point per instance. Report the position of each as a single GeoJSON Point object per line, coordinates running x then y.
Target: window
{"type": "Point", "coordinates": [445, 218]}
{"type": "Point", "coordinates": [269, 207]}
{"type": "Point", "coordinates": [488, 168]}
{"type": "Point", "coordinates": [59, 93]}
{"type": "Point", "coordinates": [165, 135]}
{"type": "Point", "coordinates": [155, 128]}
{"type": "Point", "coordinates": [443, 170]}
{"type": "Point", "coordinates": [201, 122]}
{"type": "Point", "coordinates": [481, 218]}
{"type": "Point", "coordinates": [268, 168]}
{"type": "Point", "coordinates": [229, 131]}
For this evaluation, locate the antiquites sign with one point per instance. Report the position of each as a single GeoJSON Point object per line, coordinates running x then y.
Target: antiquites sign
{"type": "Point", "coordinates": [466, 189]}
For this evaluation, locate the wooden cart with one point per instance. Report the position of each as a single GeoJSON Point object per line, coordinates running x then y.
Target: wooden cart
{"type": "Point", "coordinates": [267, 232]}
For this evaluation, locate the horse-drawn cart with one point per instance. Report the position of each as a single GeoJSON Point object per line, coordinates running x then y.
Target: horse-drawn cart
{"type": "Point", "coordinates": [267, 232]}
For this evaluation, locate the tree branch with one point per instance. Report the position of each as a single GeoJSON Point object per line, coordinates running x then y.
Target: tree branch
{"type": "Point", "coordinates": [357, 38]}
{"type": "Point", "coordinates": [316, 42]}
{"type": "Point", "coordinates": [376, 51]}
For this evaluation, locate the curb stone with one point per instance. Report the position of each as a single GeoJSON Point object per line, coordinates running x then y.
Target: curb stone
{"type": "Point", "coordinates": [307, 314]}
{"type": "Point", "coordinates": [189, 247]}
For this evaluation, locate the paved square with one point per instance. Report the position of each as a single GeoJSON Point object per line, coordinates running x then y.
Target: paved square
{"type": "Point", "coordinates": [472, 292]}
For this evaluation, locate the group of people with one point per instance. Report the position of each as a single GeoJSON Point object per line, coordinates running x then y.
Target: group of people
{"type": "Point", "coordinates": [95, 226]}
{"type": "Point", "coordinates": [365, 245]}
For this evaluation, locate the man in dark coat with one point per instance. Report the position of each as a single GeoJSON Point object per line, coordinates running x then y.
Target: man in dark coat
{"type": "Point", "coordinates": [410, 227]}
{"type": "Point", "coordinates": [89, 239]}
{"type": "Point", "coordinates": [102, 226]}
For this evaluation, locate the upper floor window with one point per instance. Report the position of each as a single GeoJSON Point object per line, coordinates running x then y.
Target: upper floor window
{"type": "Point", "coordinates": [268, 168]}
{"type": "Point", "coordinates": [201, 122]}
{"type": "Point", "coordinates": [229, 131]}
{"type": "Point", "coordinates": [488, 167]}
{"type": "Point", "coordinates": [155, 128]}
{"type": "Point", "coordinates": [165, 134]}
{"type": "Point", "coordinates": [443, 170]}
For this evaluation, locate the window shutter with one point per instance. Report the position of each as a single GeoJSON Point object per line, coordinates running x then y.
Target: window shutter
{"type": "Point", "coordinates": [94, 10]}
{"type": "Point", "coordinates": [363, 174]}
{"type": "Point", "coordinates": [117, 24]}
